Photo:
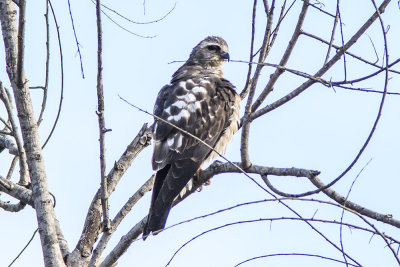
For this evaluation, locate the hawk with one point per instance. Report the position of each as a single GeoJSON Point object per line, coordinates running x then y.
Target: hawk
{"type": "Point", "coordinates": [201, 102]}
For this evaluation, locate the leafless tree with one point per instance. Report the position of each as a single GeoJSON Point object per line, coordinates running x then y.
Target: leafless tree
{"type": "Point", "coordinates": [19, 133]}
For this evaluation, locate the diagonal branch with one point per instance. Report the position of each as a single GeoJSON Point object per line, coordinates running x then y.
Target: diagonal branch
{"type": "Point", "coordinates": [17, 191]}
{"type": "Point", "coordinates": [147, 186]}
{"type": "Point", "coordinates": [386, 218]}
{"type": "Point", "coordinates": [274, 77]}
{"type": "Point", "coordinates": [324, 69]}
{"type": "Point", "coordinates": [4, 96]}
{"type": "Point", "coordinates": [92, 227]}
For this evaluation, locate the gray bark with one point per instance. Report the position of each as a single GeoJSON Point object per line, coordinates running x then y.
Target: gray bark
{"type": "Point", "coordinates": [41, 199]}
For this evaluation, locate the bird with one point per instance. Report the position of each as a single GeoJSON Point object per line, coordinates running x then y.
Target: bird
{"type": "Point", "coordinates": [200, 101]}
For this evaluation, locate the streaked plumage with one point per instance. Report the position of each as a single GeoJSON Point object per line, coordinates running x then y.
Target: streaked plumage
{"type": "Point", "coordinates": [200, 101]}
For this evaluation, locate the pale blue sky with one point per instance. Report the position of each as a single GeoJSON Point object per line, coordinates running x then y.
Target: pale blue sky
{"type": "Point", "coordinates": [321, 129]}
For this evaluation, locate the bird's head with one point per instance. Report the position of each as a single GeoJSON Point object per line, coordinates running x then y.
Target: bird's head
{"type": "Point", "coordinates": [211, 52]}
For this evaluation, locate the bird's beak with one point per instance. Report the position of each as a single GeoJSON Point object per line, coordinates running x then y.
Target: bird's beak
{"type": "Point", "coordinates": [225, 55]}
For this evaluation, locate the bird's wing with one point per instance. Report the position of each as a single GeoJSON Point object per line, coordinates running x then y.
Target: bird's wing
{"type": "Point", "coordinates": [203, 107]}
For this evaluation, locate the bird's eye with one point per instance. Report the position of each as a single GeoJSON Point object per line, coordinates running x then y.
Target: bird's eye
{"type": "Point", "coordinates": [213, 48]}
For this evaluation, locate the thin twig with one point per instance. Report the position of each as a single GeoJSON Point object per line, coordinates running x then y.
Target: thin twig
{"type": "Point", "coordinates": [251, 56]}
{"type": "Point", "coordinates": [343, 210]}
{"type": "Point", "coordinates": [293, 254]}
{"type": "Point", "coordinates": [122, 27]}
{"type": "Point", "coordinates": [324, 69]}
{"type": "Point", "coordinates": [62, 77]}
{"type": "Point", "coordinates": [241, 222]}
{"type": "Point", "coordinates": [347, 52]}
{"type": "Point", "coordinates": [76, 39]}
{"type": "Point", "coordinates": [282, 16]}
{"type": "Point", "coordinates": [46, 78]}
{"type": "Point", "coordinates": [333, 32]}
{"type": "Point", "coordinates": [136, 22]}
{"type": "Point", "coordinates": [289, 49]}
{"type": "Point", "coordinates": [20, 79]}
{"type": "Point", "coordinates": [248, 109]}
{"type": "Point", "coordinates": [19, 254]}
{"type": "Point", "coordinates": [342, 40]}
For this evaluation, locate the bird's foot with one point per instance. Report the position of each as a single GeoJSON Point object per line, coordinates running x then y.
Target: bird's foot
{"type": "Point", "coordinates": [197, 178]}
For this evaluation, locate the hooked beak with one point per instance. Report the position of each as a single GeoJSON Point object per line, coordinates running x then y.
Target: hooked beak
{"type": "Point", "coordinates": [225, 55]}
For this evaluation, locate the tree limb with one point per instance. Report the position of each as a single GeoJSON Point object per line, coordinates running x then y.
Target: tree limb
{"type": "Point", "coordinates": [43, 206]}
{"type": "Point", "coordinates": [92, 226]}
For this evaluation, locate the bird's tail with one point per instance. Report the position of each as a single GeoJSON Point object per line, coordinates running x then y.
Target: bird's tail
{"type": "Point", "coordinates": [168, 183]}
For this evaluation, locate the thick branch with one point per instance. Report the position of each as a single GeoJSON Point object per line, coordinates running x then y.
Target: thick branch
{"type": "Point", "coordinates": [147, 186]}
{"type": "Point", "coordinates": [17, 191]}
{"type": "Point", "coordinates": [43, 205]}
{"type": "Point", "coordinates": [205, 175]}
{"type": "Point", "coordinates": [217, 168]}
{"type": "Point", "coordinates": [9, 145]}
{"type": "Point", "coordinates": [124, 243]}
{"type": "Point", "coordinates": [92, 226]}
{"type": "Point", "coordinates": [12, 207]}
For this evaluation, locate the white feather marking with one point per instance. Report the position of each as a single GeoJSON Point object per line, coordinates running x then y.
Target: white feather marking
{"type": "Point", "coordinates": [193, 106]}
{"type": "Point", "coordinates": [168, 110]}
{"type": "Point", "coordinates": [155, 129]}
{"type": "Point", "coordinates": [182, 84]}
{"type": "Point", "coordinates": [170, 141]}
{"type": "Point", "coordinates": [228, 132]}
{"type": "Point", "coordinates": [179, 104]}
{"type": "Point", "coordinates": [199, 89]}
{"type": "Point", "coordinates": [179, 143]}
{"type": "Point", "coordinates": [187, 97]}
{"type": "Point", "coordinates": [183, 114]}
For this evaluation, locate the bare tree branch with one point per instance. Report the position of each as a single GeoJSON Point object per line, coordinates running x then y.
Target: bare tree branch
{"type": "Point", "coordinates": [386, 218]}
{"type": "Point", "coordinates": [147, 186]}
{"type": "Point", "coordinates": [324, 69]}
{"type": "Point", "coordinates": [24, 175]}
{"type": "Point", "coordinates": [61, 74]}
{"type": "Point", "coordinates": [294, 254]}
{"type": "Point", "coordinates": [274, 77]}
{"type": "Point", "coordinates": [17, 191]}
{"type": "Point", "coordinates": [100, 114]}
{"type": "Point", "coordinates": [46, 78]}
{"type": "Point", "coordinates": [248, 109]}
{"type": "Point", "coordinates": [5, 142]}
{"type": "Point", "coordinates": [43, 206]}
{"type": "Point", "coordinates": [12, 207]}
{"type": "Point", "coordinates": [92, 227]}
